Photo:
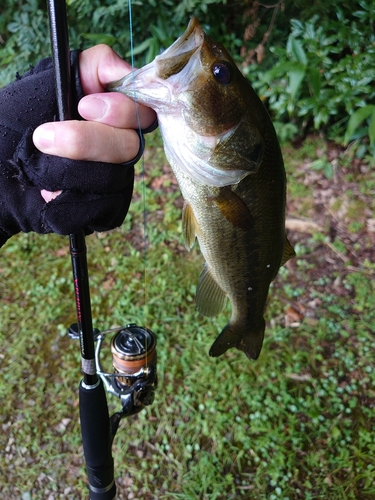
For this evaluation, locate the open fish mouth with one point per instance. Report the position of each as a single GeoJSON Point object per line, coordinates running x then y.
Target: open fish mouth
{"type": "Point", "coordinates": [158, 83]}
{"type": "Point", "coordinates": [175, 58]}
{"type": "Point", "coordinates": [191, 39]}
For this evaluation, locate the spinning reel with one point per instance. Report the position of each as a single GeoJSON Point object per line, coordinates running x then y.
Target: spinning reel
{"type": "Point", "coordinates": [134, 378]}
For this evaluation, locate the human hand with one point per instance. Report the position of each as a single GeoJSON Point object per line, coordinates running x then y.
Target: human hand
{"type": "Point", "coordinates": [81, 177]}
{"type": "Point", "coordinates": [108, 135]}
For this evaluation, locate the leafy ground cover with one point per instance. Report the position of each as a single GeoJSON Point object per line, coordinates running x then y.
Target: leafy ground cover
{"type": "Point", "coordinates": [296, 424]}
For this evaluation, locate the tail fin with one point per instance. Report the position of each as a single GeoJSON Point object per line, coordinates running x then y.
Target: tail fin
{"type": "Point", "coordinates": [244, 337]}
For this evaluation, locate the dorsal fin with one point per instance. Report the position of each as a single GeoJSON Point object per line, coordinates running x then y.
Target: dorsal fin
{"type": "Point", "coordinates": [289, 252]}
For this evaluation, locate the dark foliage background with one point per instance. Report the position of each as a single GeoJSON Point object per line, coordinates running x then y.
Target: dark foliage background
{"type": "Point", "coordinates": [313, 63]}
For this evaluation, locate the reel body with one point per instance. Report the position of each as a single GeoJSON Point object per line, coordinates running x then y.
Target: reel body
{"type": "Point", "coordinates": [134, 376]}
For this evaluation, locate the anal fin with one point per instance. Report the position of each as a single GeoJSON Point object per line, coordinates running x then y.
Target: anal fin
{"type": "Point", "coordinates": [210, 297]}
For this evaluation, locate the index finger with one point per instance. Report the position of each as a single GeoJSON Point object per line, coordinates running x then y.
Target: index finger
{"type": "Point", "coordinates": [99, 66]}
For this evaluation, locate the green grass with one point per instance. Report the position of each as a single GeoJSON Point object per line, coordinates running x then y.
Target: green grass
{"type": "Point", "coordinates": [295, 424]}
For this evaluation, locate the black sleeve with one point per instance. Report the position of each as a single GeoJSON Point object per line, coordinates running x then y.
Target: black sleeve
{"type": "Point", "coordinates": [95, 197]}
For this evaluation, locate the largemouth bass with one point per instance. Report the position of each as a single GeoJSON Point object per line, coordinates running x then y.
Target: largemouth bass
{"type": "Point", "coordinates": [223, 149]}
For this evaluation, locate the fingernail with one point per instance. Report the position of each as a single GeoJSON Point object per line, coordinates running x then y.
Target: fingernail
{"type": "Point", "coordinates": [92, 108]}
{"type": "Point", "coordinates": [44, 136]}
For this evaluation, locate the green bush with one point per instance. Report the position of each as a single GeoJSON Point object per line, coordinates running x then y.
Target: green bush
{"type": "Point", "coordinates": [325, 72]}
{"type": "Point", "coordinates": [25, 39]}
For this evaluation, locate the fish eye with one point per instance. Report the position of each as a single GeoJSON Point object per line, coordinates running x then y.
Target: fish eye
{"type": "Point", "coordinates": [222, 72]}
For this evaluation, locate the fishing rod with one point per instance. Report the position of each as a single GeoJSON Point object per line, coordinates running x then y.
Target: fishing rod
{"type": "Point", "coordinates": [134, 378]}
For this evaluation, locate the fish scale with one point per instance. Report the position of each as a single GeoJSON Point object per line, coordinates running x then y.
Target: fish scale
{"type": "Point", "coordinates": [224, 152]}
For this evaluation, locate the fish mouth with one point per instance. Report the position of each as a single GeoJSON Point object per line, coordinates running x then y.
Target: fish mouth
{"type": "Point", "coordinates": [158, 83]}
{"type": "Point", "coordinates": [191, 39]}
{"type": "Point", "coordinates": [175, 58]}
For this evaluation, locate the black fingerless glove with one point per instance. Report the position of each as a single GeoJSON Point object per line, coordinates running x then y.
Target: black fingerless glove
{"type": "Point", "coordinates": [95, 197]}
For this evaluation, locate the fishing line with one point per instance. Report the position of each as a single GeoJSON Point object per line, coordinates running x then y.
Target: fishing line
{"type": "Point", "coordinates": [145, 237]}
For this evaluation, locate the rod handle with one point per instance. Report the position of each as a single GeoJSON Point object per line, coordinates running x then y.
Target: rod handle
{"type": "Point", "coordinates": [97, 441]}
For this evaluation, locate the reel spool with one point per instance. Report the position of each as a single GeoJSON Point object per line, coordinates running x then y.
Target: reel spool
{"type": "Point", "coordinates": [133, 349]}
{"type": "Point", "coordinates": [134, 377]}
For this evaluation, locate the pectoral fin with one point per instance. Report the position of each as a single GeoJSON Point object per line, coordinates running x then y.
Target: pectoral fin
{"type": "Point", "coordinates": [189, 226]}
{"type": "Point", "coordinates": [234, 209]}
{"type": "Point", "coordinates": [210, 297]}
{"type": "Point", "coordinates": [288, 252]}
